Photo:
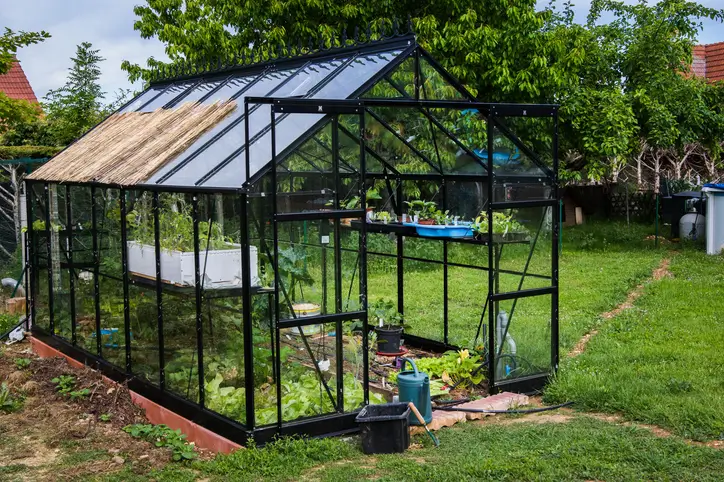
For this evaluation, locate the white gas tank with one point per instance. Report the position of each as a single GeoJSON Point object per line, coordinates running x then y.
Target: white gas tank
{"type": "Point", "coordinates": [692, 225]}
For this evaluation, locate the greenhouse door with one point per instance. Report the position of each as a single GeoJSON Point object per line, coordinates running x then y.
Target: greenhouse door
{"type": "Point", "coordinates": [319, 261]}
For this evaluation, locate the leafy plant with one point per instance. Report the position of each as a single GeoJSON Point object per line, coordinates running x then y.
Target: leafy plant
{"type": "Point", "coordinates": [452, 367]}
{"type": "Point", "coordinates": [163, 436]}
{"type": "Point", "coordinates": [502, 224]}
{"type": "Point", "coordinates": [105, 417]}
{"type": "Point", "coordinates": [78, 394]}
{"type": "Point", "coordinates": [384, 313]}
{"type": "Point", "coordinates": [8, 402]}
{"type": "Point", "coordinates": [353, 202]}
{"type": "Point", "coordinates": [22, 363]}
{"type": "Point", "coordinates": [293, 269]}
{"type": "Point", "coordinates": [64, 384]}
{"type": "Point", "coordinates": [423, 209]}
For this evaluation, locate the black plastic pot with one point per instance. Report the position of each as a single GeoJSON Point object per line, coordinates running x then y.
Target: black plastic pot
{"type": "Point", "coordinates": [388, 339]}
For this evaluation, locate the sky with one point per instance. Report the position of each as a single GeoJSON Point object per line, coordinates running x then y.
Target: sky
{"type": "Point", "coordinates": [108, 25]}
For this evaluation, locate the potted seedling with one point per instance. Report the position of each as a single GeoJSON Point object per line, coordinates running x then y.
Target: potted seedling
{"type": "Point", "coordinates": [503, 225]}
{"type": "Point", "coordinates": [219, 256]}
{"type": "Point", "coordinates": [354, 202]}
{"type": "Point", "coordinates": [422, 212]}
{"type": "Point", "coordinates": [387, 322]}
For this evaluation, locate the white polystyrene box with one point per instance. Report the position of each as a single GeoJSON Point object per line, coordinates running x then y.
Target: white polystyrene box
{"type": "Point", "coordinates": [219, 268]}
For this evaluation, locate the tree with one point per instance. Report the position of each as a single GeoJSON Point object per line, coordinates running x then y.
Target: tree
{"type": "Point", "coordinates": [15, 111]}
{"type": "Point", "coordinates": [78, 105]}
{"type": "Point", "coordinates": [618, 82]}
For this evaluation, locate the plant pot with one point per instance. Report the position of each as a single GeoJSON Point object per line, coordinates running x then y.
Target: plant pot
{"type": "Point", "coordinates": [426, 222]}
{"type": "Point", "coordinates": [388, 339]}
{"type": "Point", "coordinates": [222, 266]}
{"type": "Point", "coordinates": [369, 214]}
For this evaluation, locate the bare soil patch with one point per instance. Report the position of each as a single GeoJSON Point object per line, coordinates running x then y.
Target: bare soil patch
{"type": "Point", "coordinates": [55, 438]}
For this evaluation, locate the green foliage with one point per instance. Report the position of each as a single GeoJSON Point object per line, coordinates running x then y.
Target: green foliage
{"type": "Point", "coordinates": [15, 112]}
{"type": "Point", "coordinates": [7, 321]}
{"type": "Point", "coordinates": [22, 363]}
{"type": "Point", "coordinates": [35, 152]}
{"type": "Point", "coordinates": [163, 436]}
{"type": "Point", "coordinates": [64, 384]}
{"type": "Point", "coordinates": [105, 417]}
{"type": "Point", "coordinates": [618, 78]}
{"type": "Point", "coordinates": [453, 367]}
{"type": "Point", "coordinates": [9, 402]}
{"type": "Point", "coordinates": [502, 224]}
{"type": "Point", "coordinates": [383, 312]}
{"type": "Point", "coordinates": [176, 225]}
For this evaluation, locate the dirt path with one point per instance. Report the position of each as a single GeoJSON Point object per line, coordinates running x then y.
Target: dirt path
{"type": "Point", "coordinates": [659, 273]}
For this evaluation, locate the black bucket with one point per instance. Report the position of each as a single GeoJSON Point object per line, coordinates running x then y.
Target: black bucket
{"type": "Point", "coordinates": [384, 428]}
{"type": "Point", "coordinates": [388, 339]}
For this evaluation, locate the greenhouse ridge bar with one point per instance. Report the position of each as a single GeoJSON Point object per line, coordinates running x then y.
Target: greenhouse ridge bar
{"type": "Point", "coordinates": [232, 280]}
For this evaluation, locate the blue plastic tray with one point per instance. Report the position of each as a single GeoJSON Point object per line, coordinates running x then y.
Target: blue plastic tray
{"type": "Point", "coordinates": [436, 231]}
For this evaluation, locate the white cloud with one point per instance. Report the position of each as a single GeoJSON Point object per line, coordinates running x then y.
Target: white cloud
{"type": "Point", "coordinates": [107, 24]}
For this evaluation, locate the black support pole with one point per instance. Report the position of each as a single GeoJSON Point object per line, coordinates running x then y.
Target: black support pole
{"type": "Point", "coordinates": [339, 346]}
{"type": "Point", "coordinates": [275, 264]}
{"type": "Point", "coordinates": [96, 270]}
{"type": "Point", "coordinates": [124, 265]}
{"type": "Point", "coordinates": [199, 298]}
{"type": "Point", "coordinates": [400, 256]}
{"type": "Point", "coordinates": [159, 291]}
{"type": "Point", "coordinates": [555, 346]}
{"type": "Point", "coordinates": [246, 314]}
{"type": "Point", "coordinates": [71, 269]}
{"type": "Point", "coordinates": [31, 264]}
{"type": "Point", "coordinates": [363, 262]}
{"type": "Point", "coordinates": [491, 272]}
{"type": "Point", "coordinates": [48, 231]}
{"type": "Point", "coordinates": [445, 291]}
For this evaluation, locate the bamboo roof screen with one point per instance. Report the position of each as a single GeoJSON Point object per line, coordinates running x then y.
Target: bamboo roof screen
{"type": "Point", "coordinates": [127, 148]}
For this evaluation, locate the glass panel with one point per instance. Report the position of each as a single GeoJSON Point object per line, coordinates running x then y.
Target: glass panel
{"type": "Point", "coordinates": [524, 327]}
{"type": "Point", "coordinates": [355, 75]}
{"type": "Point", "coordinates": [303, 393]}
{"type": "Point", "coordinates": [83, 262]}
{"type": "Point", "coordinates": [108, 215]}
{"type": "Point", "coordinates": [142, 299]}
{"type": "Point", "coordinates": [467, 292]}
{"type": "Point", "coordinates": [199, 91]}
{"type": "Point", "coordinates": [526, 247]}
{"type": "Point", "coordinates": [230, 89]}
{"type": "Point", "coordinates": [142, 99]}
{"type": "Point", "coordinates": [178, 300]}
{"type": "Point", "coordinates": [291, 127]}
{"type": "Point", "coordinates": [208, 157]}
{"type": "Point", "coordinates": [223, 334]}
{"type": "Point", "coordinates": [171, 93]}
{"type": "Point", "coordinates": [308, 79]}
{"type": "Point", "coordinates": [389, 145]}
{"type": "Point", "coordinates": [113, 339]}
{"type": "Point", "coordinates": [40, 254]}
{"type": "Point", "coordinates": [510, 160]}
{"type": "Point", "coordinates": [424, 299]}
{"type": "Point", "coordinates": [59, 244]}
{"type": "Point", "coordinates": [401, 83]}
{"type": "Point", "coordinates": [261, 238]}
{"type": "Point", "coordinates": [434, 86]}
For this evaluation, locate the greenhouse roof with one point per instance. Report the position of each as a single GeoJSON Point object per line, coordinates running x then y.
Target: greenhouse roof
{"type": "Point", "coordinates": [215, 157]}
{"type": "Point", "coordinates": [193, 129]}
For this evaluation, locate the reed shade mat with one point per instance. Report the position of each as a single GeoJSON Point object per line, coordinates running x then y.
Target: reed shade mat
{"type": "Point", "coordinates": [127, 148]}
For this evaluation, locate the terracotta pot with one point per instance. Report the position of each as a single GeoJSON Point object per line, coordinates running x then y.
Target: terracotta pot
{"type": "Point", "coordinates": [426, 221]}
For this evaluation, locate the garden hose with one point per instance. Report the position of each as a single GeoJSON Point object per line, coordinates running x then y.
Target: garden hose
{"type": "Point", "coordinates": [516, 411]}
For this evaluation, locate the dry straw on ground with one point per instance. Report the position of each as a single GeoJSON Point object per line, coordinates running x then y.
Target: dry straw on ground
{"type": "Point", "coordinates": [127, 148]}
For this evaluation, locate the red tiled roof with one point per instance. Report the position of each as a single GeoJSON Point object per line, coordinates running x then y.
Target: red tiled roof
{"type": "Point", "coordinates": [15, 84]}
{"type": "Point", "coordinates": [709, 61]}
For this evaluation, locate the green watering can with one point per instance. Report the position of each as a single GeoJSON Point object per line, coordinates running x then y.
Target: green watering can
{"type": "Point", "coordinates": [415, 387]}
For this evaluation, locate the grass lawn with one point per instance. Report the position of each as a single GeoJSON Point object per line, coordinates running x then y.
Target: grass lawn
{"type": "Point", "coordinates": [660, 362]}
{"type": "Point", "coordinates": [579, 449]}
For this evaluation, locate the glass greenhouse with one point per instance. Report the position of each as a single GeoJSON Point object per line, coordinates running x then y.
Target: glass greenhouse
{"type": "Point", "coordinates": [218, 242]}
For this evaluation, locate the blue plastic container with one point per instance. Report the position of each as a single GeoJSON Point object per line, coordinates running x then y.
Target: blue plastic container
{"type": "Point", "coordinates": [436, 231]}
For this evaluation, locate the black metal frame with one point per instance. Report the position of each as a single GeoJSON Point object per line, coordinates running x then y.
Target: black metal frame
{"type": "Point", "coordinates": [338, 422]}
